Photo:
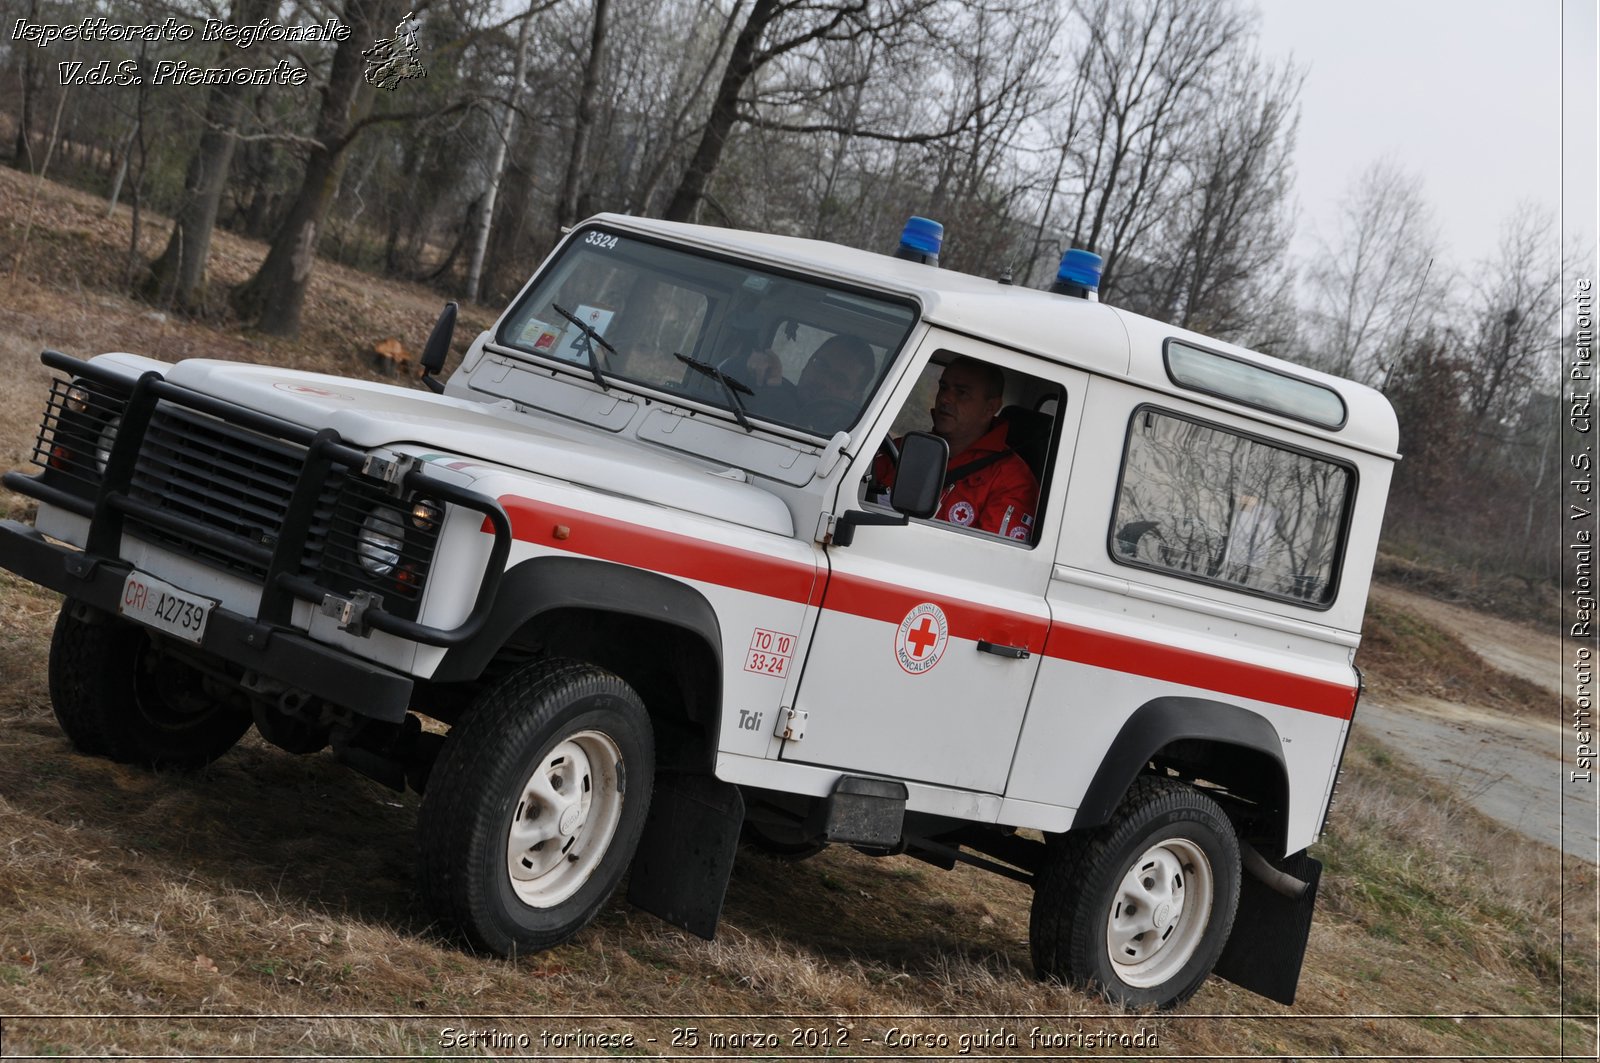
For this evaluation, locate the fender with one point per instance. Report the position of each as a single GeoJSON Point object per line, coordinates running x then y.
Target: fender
{"type": "Point", "coordinates": [541, 584]}
{"type": "Point", "coordinates": [1159, 723]}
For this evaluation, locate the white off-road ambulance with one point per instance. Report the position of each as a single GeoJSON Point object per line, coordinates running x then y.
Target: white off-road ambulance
{"type": "Point", "coordinates": [637, 564]}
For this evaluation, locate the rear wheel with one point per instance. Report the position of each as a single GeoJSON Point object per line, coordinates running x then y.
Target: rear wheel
{"type": "Point", "coordinates": [1140, 908]}
{"type": "Point", "coordinates": [115, 694]}
{"type": "Point", "coordinates": [535, 806]}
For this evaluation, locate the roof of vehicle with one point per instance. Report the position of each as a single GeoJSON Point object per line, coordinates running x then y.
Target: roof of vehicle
{"type": "Point", "coordinates": [1088, 335]}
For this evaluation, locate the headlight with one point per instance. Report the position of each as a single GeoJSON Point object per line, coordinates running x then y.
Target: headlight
{"type": "Point", "coordinates": [102, 446]}
{"type": "Point", "coordinates": [379, 543]}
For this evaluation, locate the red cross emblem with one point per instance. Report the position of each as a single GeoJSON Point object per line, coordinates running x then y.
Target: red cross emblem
{"type": "Point", "coordinates": [921, 638]}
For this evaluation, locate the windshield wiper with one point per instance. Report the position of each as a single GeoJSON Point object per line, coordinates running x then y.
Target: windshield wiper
{"type": "Point", "coordinates": [590, 338]}
{"type": "Point", "coordinates": [731, 386]}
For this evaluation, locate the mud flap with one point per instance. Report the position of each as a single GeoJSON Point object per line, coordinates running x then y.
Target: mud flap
{"type": "Point", "coordinates": [1264, 953]}
{"type": "Point", "coordinates": [681, 868]}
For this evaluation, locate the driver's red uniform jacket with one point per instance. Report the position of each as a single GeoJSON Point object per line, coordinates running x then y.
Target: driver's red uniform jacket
{"type": "Point", "coordinates": [987, 487]}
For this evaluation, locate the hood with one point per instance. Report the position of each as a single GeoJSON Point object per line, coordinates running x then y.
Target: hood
{"type": "Point", "coordinates": [368, 415]}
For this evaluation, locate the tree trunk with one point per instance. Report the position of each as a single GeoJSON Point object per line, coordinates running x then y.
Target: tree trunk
{"type": "Point", "coordinates": [273, 298]}
{"type": "Point", "coordinates": [567, 203]}
{"type": "Point", "coordinates": [177, 277]}
{"type": "Point", "coordinates": [497, 168]}
{"type": "Point", "coordinates": [724, 112]}
{"type": "Point", "coordinates": [22, 149]}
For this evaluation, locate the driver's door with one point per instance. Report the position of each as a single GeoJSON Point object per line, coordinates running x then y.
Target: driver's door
{"type": "Point", "coordinates": [928, 641]}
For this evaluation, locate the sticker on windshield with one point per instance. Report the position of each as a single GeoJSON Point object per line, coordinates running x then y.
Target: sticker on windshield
{"type": "Point", "coordinates": [922, 637]}
{"type": "Point", "coordinates": [575, 346]}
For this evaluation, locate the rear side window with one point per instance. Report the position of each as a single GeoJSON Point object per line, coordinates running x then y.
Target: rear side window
{"type": "Point", "coordinates": [1207, 503]}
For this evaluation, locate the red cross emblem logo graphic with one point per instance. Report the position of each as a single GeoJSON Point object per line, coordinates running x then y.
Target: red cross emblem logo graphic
{"type": "Point", "coordinates": [921, 639]}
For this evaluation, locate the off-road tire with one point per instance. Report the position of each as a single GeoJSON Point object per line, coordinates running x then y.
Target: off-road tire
{"type": "Point", "coordinates": [1088, 881]}
{"type": "Point", "coordinates": [547, 731]}
{"type": "Point", "coordinates": [116, 696]}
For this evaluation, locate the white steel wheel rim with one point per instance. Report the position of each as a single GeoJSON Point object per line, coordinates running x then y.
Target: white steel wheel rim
{"type": "Point", "coordinates": [1160, 912]}
{"type": "Point", "coordinates": [565, 816]}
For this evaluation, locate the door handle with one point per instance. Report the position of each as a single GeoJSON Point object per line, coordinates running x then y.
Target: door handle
{"type": "Point", "coordinates": [1016, 653]}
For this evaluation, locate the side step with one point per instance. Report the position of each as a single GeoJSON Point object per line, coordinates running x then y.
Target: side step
{"type": "Point", "coordinates": [866, 812]}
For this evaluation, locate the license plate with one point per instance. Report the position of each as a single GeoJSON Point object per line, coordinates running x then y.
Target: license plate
{"type": "Point", "coordinates": [158, 604]}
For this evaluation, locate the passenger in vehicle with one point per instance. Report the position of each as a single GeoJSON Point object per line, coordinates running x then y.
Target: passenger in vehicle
{"type": "Point", "coordinates": [830, 388]}
{"type": "Point", "coordinates": [987, 485]}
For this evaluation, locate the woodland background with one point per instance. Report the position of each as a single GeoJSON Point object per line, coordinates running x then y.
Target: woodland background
{"type": "Point", "coordinates": [1154, 132]}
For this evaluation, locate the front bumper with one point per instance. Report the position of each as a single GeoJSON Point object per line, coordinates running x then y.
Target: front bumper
{"type": "Point", "coordinates": [270, 530]}
{"type": "Point", "coordinates": [286, 656]}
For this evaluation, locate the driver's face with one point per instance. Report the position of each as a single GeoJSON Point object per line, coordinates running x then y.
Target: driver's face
{"type": "Point", "coordinates": [963, 410]}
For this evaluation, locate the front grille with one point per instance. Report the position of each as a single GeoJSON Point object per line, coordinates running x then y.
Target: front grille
{"type": "Point", "coordinates": [242, 499]}
{"type": "Point", "coordinates": [238, 483]}
{"type": "Point", "coordinates": [215, 476]}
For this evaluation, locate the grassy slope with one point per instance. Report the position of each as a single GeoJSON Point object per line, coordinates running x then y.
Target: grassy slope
{"type": "Point", "coordinates": [274, 885]}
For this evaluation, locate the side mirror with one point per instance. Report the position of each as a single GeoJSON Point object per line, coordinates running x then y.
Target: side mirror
{"type": "Point", "coordinates": [918, 483]}
{"type": "Point", "coordinates": [919, 478]}
{"type": "Point", "coordinates": [437, 347]}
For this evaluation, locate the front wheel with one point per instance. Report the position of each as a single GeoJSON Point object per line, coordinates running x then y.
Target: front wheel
{"type": "Point", "coordinates": [116, 695]}
{"type": "Point", "coordinates": [1140, 908]}
{"type": "Point", "coordinates": [535, 806]}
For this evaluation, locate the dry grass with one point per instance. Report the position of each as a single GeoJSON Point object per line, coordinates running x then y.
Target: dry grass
{"type": "Point", "coordinates": [193, 913]}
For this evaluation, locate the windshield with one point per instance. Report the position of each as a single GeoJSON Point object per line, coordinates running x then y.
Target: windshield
{"type": "Point", "coordinates": [762, 345]}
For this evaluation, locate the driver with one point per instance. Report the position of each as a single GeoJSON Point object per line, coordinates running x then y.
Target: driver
{"type": "Point", "coordinates": [987, 485]}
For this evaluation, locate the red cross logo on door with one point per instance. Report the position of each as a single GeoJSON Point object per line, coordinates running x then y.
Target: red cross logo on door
{"type": "Point", "coordinates": [920, 641]}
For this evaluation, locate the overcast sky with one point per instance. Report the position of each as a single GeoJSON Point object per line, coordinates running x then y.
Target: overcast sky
{"type": "Point", "coordinates": [1466, 95]}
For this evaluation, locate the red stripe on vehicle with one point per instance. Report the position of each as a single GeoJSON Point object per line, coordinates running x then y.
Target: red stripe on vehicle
{"type": "Point", "coordinates": [890, 602]}
{"type": "Point", "coordinates": [1121, 653]}
{"type": "Point", "coordinates": [609, 539]}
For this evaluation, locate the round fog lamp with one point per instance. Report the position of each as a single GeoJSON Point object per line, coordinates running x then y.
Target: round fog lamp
{"type": "Point", "coordinates": [379, 543]}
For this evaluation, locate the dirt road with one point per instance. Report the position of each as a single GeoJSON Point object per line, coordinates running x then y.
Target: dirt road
{"type": "Point", "coordinates": [1514, 769]}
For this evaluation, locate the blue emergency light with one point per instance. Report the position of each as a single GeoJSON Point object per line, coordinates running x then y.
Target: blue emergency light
{"type": "Point", "coordinates": [921, 240]}
{"type": "Point", "coordinates": [1079, 274]}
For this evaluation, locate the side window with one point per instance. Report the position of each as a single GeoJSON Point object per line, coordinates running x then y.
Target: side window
{"type": "Point", "coordinates": [1001, 427]}
{"type": "Point", "coordinates": [1204, 502]}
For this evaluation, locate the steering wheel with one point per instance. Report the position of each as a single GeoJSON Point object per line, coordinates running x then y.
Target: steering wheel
{"type": "Point", "coordinates": [887, 447]}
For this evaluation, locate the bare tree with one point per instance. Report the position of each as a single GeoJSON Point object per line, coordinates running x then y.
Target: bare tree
{"type": "Point", "coordinates": [1377, 284]}
{"type": "Point", "coordinates": [1218, 262]}
{"type": "Point", "coordinates": [31, 82]}
{"type": "Point", "coordinates": [773, 29]}
{"type": "Point", "coordinates": [1149, 68]}
{"type": "Point", "coordinates": [497, 165]}
{"type": "Point", "coordinates": [177, 277]}
{"type": "Point", "coordinates": [1515, 329]}
{"type": "Point", "coordinates": [583, 123]}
